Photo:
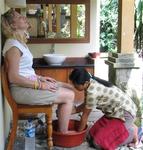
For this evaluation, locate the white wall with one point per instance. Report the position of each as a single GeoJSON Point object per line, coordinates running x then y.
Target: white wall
{"type": "Point", "coordinates": [2, 139]}
{"type": "Point", "coordinates": [75, 50]}
{"type": "Point", "coordinates": [5, 112]}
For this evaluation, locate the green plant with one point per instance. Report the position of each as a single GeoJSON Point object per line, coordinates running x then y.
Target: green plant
{"type": "Point", "coordinates": [108, 25]}
{"type": "Point", "coordinates": [139, 26]}
{"type": "Point", "coordinates": [81, 20]}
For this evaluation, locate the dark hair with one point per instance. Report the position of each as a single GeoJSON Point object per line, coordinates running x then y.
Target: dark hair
{"type": "Point", "coordinates": [81, 75]}
{"type": "Point", "coordinates": [104, 82]}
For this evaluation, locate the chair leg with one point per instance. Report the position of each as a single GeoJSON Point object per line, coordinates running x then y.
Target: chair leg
{"type": "Point", "coordinates": [49, 131]}
{"type": "Point", "coordinates": [13, 133]}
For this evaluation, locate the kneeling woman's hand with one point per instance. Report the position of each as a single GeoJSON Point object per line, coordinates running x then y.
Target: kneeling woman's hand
{"type": "Point", "coordinates": [74, 109]}
{"type": "Point", "coordinates": [84, 119]}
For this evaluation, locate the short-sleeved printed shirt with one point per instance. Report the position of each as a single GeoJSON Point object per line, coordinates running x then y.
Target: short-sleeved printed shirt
{"type": "Point", "coordinates": [112, 101]}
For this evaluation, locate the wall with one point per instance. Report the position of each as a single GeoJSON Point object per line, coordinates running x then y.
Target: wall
{"type": "Point", "coordinates": [75, 50]}
{"type": "Point", "coordinates": [5, 112]}
{"type": "Point", "coordinates": [1, 100]}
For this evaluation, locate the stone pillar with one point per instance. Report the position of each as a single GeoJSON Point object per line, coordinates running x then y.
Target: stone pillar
{"type": "Point", "coordinates": [122, 62]}
{"type": "Point", "coordinates": [121, 66]}
{"type": "Point", "coordinates": [124, 67]}
{"type": "Point", "coordinates": [126, 26]}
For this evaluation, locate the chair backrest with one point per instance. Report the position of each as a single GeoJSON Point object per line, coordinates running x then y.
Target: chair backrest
{"type": "Point", "coordinates": [6, 90]}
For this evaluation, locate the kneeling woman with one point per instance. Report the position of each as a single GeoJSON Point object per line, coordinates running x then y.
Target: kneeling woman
{"type": "Point", "coordinates": [116, 127]}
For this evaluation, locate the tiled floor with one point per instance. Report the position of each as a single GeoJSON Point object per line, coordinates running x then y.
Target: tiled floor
{"type": "Point", "coordinates": [42, 145]}
{"type": "Point", "coordinates": [83, 146]}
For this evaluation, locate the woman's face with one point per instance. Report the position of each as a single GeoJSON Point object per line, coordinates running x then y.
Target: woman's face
{"type": "Point", "coordinates": [81, 87]}
{"type": "Point", "coordinates": [20, 22]}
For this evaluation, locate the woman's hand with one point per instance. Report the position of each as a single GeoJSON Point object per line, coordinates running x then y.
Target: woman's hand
{"type": "Point", "coordinates": [82, 125]}
{"type": "Point", "coordinates": [44, 79]}
{"type": "Point", "coordinates": [50, 79]}
{"type": "Point", "coordinates": [74, 110]}
{"type": "Point", "coordinates": [48, 85]}
{"type": "Point", "coordinates": [84, 119]}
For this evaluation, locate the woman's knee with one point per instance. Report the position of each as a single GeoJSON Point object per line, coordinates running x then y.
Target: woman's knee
{"type": "Point", "coordinates": [66, 95]}
{"type": "Point", "coordinates": [71, 94]}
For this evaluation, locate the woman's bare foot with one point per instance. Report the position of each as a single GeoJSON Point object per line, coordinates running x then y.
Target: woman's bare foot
{"type": "Point", "coordinates": [71, 132]}
{"type": "Point", "coordinates": [134, 145]}
{"type": "Point", "coordinates": [135, 141]}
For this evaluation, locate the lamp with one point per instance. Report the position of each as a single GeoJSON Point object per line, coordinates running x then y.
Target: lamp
{"type": "Point", "coordinates": [16, 3]}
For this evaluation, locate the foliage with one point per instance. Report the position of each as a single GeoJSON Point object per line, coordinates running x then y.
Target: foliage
{"type": "Point", "coordinates": [139, 26]}
{"type": "Point", "coordinates": [108, 25]}
{"type": "Point", "coordinates": [81, 20]}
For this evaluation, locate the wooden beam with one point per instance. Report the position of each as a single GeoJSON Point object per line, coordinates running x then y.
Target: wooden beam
{"type": "Point", "coordinates": [50, 18]}
{"type": "Point", "coordinates": [57, 1]}
{"type": "Point", "coordinates": [73, 21]}
{"type": "Point", "coordinates": [44, 12]}
{"type": "Point", "coordinates": [58, 19]}
{"type": "Point", "coordinates": [126, 26]}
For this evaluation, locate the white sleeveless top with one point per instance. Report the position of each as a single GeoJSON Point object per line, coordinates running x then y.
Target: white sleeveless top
{"type": "Point", "coordinates": [26, 60]}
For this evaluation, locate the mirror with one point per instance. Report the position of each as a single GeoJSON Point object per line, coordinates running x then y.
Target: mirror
{"type": "Point", "coordinates": [52, 21]}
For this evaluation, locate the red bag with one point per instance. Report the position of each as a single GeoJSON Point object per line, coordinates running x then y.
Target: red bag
{"type": "Point", "coordinates": [109, 133]}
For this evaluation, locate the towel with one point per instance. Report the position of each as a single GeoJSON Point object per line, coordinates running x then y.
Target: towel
{"type": "Point", "coordinates": [108, 133]}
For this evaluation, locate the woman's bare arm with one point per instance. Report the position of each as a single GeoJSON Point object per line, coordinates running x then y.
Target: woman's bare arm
{"type": "Point", "coordinates": [13, 59]}
{"type": "Point", "coordinates": [84, 119]}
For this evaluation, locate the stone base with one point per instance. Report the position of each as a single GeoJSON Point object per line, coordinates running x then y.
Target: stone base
{"type": "Point", "coordinates": [117, 60]}
{"type": "Point", "coordinates": [121, 66]}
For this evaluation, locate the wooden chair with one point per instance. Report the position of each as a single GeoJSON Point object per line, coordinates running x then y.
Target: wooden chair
{"type": "Point", "coordinates": [18, 109]}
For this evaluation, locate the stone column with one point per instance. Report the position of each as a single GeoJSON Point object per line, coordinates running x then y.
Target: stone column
{"type": "Point", "coordinates": [125, 70]}
{"type": "Point", "coordinates": [124, 67]}
{"type": "Point", "coordinates": [122, 62]}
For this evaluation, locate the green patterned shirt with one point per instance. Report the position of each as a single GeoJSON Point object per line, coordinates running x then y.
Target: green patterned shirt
{"type": "Point", "coordinates": [112, 101]}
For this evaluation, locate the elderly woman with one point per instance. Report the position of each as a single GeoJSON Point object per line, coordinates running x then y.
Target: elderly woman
{"type": "Point", "coordinates": [27, 87]}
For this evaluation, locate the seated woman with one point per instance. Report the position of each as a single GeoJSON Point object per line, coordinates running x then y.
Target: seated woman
{"type": "Point", "coordinates": [117, 126]}
{"type": "Point", "coordinates": [27, 87]}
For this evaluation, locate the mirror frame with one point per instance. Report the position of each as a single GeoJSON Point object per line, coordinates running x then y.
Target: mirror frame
{"type": "Point", "coordinates": [86, 39]}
